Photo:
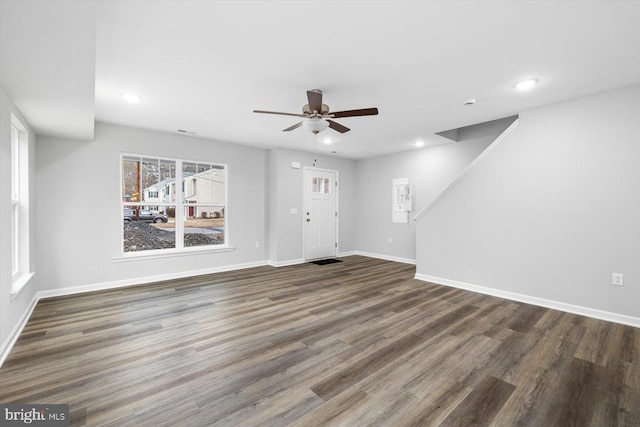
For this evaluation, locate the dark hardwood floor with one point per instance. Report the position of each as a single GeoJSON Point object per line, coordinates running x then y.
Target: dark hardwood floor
{"type": "Point", "coordinates": [353, 343]}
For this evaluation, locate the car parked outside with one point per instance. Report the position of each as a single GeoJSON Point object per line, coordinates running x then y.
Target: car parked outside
{"type": "Point", "coordinates": [144, 216]}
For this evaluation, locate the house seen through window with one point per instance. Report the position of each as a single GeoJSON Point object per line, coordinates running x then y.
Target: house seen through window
{"type": "Point", "coordinates": [155, 218]}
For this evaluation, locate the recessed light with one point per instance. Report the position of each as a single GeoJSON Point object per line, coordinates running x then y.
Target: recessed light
{"type": "Point", "coordinates": [327, 140]}
{"type": "Point", "coordinates": [132, 98]}
{"type": "Point", "coordinates": [419, 144]}
{"type": "Point", "coordinates": [526, 84]}
{"type": "Point", "coordinates": [471, 101]}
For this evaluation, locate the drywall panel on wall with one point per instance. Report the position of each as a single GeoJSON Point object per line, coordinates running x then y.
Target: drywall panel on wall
{"type": "Point", "coordinates": [552, 211]}
{"type": "Point", "coordinates": [79, 219]}
{"type": "Point", "coordinates": [429, 170]}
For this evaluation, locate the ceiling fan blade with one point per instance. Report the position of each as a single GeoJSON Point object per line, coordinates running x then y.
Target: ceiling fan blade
{"type": "Point", "coordinates": [315, 101]}
{"type": "Point", "coordinates": [337, 126]}
{"type": "Point", "coordinates": [296, 126]}
{"type": "Point", "coordinates": [353, 113]}
{"type": "Point", "coordinates": [279, 113]}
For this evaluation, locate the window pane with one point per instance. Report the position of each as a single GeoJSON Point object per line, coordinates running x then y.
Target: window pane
{"type": "Point", "coordinates": [321, 185]}
{"type": "Point", "coordinates": [15, 164]}
{"type": "Point", "coordinates": [149, 178]}
{"type": "Point", "coordinates": [15, 198]}
{"type": "Point", "coordinates": [130, 179]}
{"type": "Point", "coordinates": [203, 183]}
{"type": "Point", "coordinates": [148, 227]}
{"type": "Point", "coordinates": [203, 225]}
{"type": "Point", "coordinates": [215, 179]}
{"type": "Point", "coordinates": [189, 171]}
{"type": "Point", "coordinates": [166, 186]}
{"type": "Point", "coordinates": [15, 267]}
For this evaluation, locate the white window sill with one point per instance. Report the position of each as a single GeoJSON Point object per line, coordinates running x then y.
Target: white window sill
{"type": "Point", "coordinates": [168, 253]}
{"type": "Point", "coordinates": [18, 284]}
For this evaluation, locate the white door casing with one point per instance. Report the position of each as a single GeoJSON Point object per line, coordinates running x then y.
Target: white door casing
{"type": "Point", "coordinates": [320, 214]}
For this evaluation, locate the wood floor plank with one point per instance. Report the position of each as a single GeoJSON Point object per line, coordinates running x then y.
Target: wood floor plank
{"type": "Point", "coordinates": [481, 405]}
{"type": "Point", "coordinates": [354, 343]}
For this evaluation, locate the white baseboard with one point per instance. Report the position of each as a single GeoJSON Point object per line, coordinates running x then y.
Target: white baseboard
{"type": "Point", "coordinates": [386, 257]}
{"type": "Point", "coordinates": [344, 254]}
{"type": "Point", "coordinates": [143, 280]}
{"type": "Point", "coordinates": [542, 302]}
{"type": "Point", "coordinates": [8, 344]}
{"type": "Point", "coordinates": [286, 263]}
{"type": "Point", "coordinates": [301, 261]}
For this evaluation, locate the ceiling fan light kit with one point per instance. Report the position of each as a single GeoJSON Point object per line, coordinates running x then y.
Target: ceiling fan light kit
{"type": "Point", "coordinates": [318, 116]}
{"type": "Point", "coordinates": [316, 125]}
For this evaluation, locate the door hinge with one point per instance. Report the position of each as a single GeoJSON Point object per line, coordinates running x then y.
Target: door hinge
{"type": "Point", "coordinates": [336, 183]}
{"type": "Point", "coordinates": [336, 244]}
{"type": "Point", "coordinates": [336, 214]}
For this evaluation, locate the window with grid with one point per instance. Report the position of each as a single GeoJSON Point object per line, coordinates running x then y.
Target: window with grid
{"type": "Point", "coordinates": [157, 219]}
{"type": "Point", "coordinates": [20, 263]}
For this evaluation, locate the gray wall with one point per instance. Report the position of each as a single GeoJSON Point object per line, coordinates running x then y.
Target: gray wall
{"type": "Point", "coordinates": [12, 311]}
{"type": "Point", "coordinates": [79, 219]}
{"type": "Point", "coordinates": [286, 230]}
{"type": "Point", "coordinates": [429, 169]}
{"type": "Point", "coordinates": [552, 211]}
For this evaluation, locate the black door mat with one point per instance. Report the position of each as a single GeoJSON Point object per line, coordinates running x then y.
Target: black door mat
{"type": "Point", "coordinates": [325, 261]}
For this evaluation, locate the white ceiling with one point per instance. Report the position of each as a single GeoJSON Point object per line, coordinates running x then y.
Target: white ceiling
{"type": "Point", "coordinates": [204, 66]}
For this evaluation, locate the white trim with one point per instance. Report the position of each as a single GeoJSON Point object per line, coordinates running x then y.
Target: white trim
{"type": "Point", "coordinates": [387, 257]}
{"type": "Point", "coordinates": [18, 284]}
{"type": "Point", "coordinates": [286, 263]}
{"type": "Point", "coordinates": [542, 302]}
{"type": "Point", "coordinates": [164, 253]}
{"type": "Point", "coordinates": [144, 280]}
{"type": "Point", "coordinates": [345, 254]}
{"type": "Point", "coordinates": [8, 344]}
{"type": "Point", "coordinates": [466, 170]}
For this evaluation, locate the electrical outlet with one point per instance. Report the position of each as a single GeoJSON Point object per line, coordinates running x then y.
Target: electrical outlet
{"type": "Point", "coordinates": [390, 240]}
{"type": "Point", "coordinates": [617, 279]}
{"type": "Point", "coordinates": [257, 244]}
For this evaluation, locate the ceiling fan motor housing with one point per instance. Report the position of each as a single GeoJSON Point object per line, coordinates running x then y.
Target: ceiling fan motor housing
{"type": "Point", "coordinates": [323, 110]}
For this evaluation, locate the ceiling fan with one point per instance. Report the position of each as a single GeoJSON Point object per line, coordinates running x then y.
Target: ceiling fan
{"type": "Point", "coordinates": [317, 116]}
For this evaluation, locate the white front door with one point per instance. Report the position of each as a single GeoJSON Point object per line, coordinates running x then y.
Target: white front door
{"type": "Point", "coordinates": [320, 213]}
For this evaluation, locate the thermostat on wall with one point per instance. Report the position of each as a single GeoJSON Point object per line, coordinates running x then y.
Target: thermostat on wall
{"type": "Point", "coordinates": [295, 165]}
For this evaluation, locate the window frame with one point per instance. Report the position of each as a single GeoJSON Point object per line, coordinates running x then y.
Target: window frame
{"type": "Point", "coordinates": [15, 200]}
{"type": "Point", "coordinates": [20, 245]}
{"type": "Point", "coordinates": [180, 203]}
